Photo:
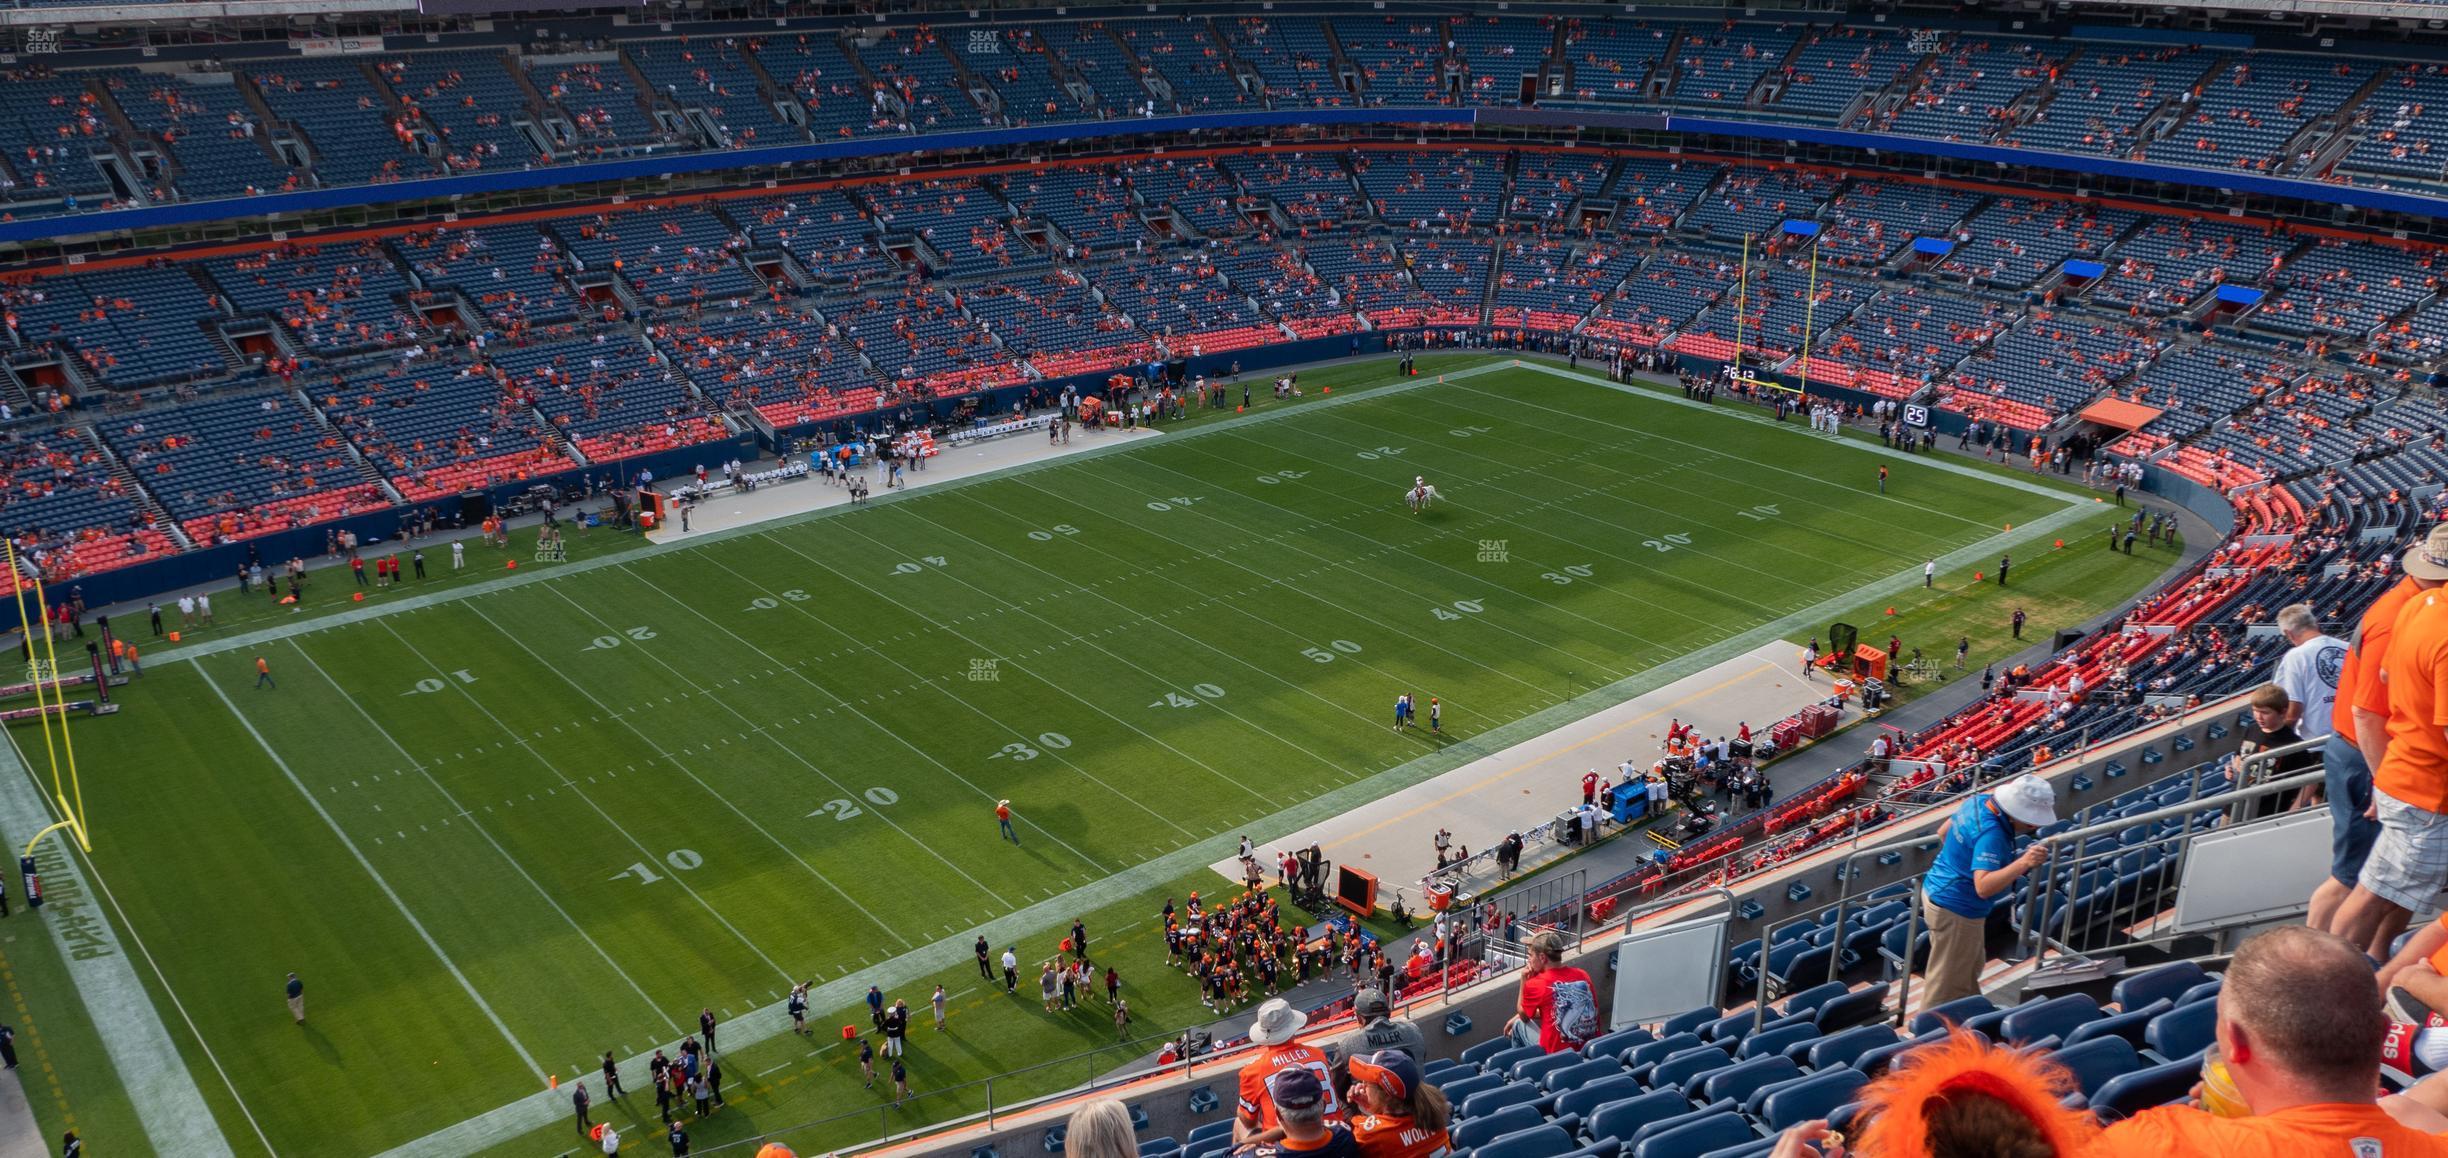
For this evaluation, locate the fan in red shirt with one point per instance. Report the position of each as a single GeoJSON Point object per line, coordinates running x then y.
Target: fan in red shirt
{"type": "Point", "coordinates": [1273, 1030]}
{"type": "Point", "coordinates": [1401, 1115]}
{"type": "Point", "coordinates": [1556, 998]}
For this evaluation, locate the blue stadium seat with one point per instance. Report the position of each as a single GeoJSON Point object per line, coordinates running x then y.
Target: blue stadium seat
{"type": "Point", "coordinates": [2055, 1017]}
{"type": "Point", "coordinates": [1155, 1147]}
{"type": "Point", "coordinates": [1586, 1099]}
{"type": "Point", "coordinates": [2168, 981]}
{"type": "Point", "coordinates": [1676, 1122]}
{"type": "Point", "coordinates": [1461, 1091]}
{"type": "Point", "coordinates": [1843, 1049]}
{"type": "Point", "coordinates": [1874, 1061]}
{"type": "Point", "coordinates": [1731, 1027]}
{"type": "Point", "coordinates": [1573, 1077]}
{"type": "Point", "coordinates": [1850, 1009]}
{"type": "Point", "coordinates": [1960, 1010]}
{"type": "Point", "coordinates": [1603, 1148]}
{"type": "Point", "coordinates": [1620, 1121]}
{"type": "Point", "coordinates": [1677, 1072]}
{"type": "Point", "coordinates": [1776, 1041]}
{"type": "Point", "coordinates": [1713, 1132]}
{"type": "Point", "coordinates": [2202, 992]}
{"type": "Point", "coordinates": [1740, 1080]}
{"type": "Point", "coordinates": [1435, 1067]}
{"type": "Point", "coordinates": [2128, 1094]}
{"type": "Point", "coordinates": [2182, 1032]}
{"type": "Point", "coordinates": [1616, 1044]}
{"type": "Point", "coordinates": [1216, 1129]}
{"type": "Point", "coordinates": [1535, 1142]}
{"type": "Point", "coordinates": [1650, 1053]}
{"type": "Point", "coordinates": [1472, 1132]}
{"type": "Point", "coordinates": [1689, 1020]}
{"type": "Point", "coordinates": [1793, 1103]}
{"type": "Point", "coordinates": [1809, 1000]}
{"type": "Point", "coordinates": [2094, 1062]}
{"type": "Point", "coordinates": [1476, 1056]}
{"type": "Point", "coordinates": [1755, 1148]}
{"type": "Point", "coordinates": [1504, 1061]}
{"type": "Point", "coordinates": [1532, 1069]}
{"type": "Point", "coordinates": [2125, 1025]}
{"type": "Point", "coordinates": [1487, 1102]}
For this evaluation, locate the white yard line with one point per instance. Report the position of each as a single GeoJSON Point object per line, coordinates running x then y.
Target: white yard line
{"type": "Point", "coordinates": [461, 811]}
{"type": "Point", "coordinates": [376, 874]}
{"type": "Point", "coordinates": [923, 684]}
{"type": "Point", "coordinates": [172, 1110]}
{"type": "Point", "coordinates": [644, 852]}
{"type": "Point", "coordinates": [660, 751]}
{"type": "Point", "coordinates": [1057, 685]}
{"type": "Point", "coordinates": [786, 749]}
{"type": "Point", "coordinates": [1286, 583]}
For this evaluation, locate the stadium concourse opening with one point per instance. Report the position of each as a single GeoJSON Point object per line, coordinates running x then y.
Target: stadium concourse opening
{"type": "Point", "coordinates": [728, 583]}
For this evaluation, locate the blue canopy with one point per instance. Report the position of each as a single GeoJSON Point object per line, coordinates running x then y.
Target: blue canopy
{"type": "Point", "coordinates": [2081, 268]}
{"type": "Point", "coordinates": [1802, 228]}
{"type": "Point", "coordinates": [2241, 295]}
{"type": "Point", "coordinates": [1934, 246]}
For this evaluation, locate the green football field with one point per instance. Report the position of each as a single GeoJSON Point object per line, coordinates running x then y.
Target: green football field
{"type": "Point", "coordinates": [506, 826]}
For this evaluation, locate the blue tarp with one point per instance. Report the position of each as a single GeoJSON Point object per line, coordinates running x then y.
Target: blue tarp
{"type": "Point", "coordinates": [1934, 246]}
{"type": "Point", "coordinates": [2239, 295]}
{"type": "Point", "coordinates": [2079, 267]}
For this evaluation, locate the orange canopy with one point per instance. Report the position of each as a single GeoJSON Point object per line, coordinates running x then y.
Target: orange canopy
{"type": "Point", "coordinates": [2120, 414]}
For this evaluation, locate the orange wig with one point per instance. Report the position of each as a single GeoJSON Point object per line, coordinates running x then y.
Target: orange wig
{"type": "Point", "coordinates": [1899, 1106]}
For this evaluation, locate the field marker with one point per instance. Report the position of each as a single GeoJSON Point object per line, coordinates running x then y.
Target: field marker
{"type": "Point", "coordinates": [379, 882]}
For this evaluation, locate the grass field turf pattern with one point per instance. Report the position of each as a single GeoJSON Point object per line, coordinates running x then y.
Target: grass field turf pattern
{"type": "Point", "coordinates": [500, 834]}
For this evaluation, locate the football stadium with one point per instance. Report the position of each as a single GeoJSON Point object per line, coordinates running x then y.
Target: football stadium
{"type": "Point", "coordinates": [1397, 580]}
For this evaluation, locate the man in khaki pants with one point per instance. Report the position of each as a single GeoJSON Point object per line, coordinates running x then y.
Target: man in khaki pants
{"type": "Point", "coordinates": [1976, 866]}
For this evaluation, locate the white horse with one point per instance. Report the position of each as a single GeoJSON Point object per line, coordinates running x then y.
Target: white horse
{"type": "Point", "coordinates": [1419, 497]}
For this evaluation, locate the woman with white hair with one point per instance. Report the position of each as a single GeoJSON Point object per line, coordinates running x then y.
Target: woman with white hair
{"type": "Point", "coordinates": [1101, 1129]}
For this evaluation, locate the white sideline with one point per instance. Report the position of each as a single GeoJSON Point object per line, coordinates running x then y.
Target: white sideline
{"type": "Point", "coordinates": [506, 1123]}
{"type": "Point", "coordinates": [162, 1092]}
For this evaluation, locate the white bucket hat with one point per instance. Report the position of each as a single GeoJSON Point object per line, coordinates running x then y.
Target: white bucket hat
{"type": "Point", "coordinates": [1276, 1022]}
{"type": "Point", "coordinates": [2028, 799]}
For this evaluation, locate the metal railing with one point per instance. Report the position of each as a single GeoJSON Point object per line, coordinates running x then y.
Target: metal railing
{"type": "Point", "coordinates": [2032, 941]}
{"type": "Point", "coordinates": [2234, 804]}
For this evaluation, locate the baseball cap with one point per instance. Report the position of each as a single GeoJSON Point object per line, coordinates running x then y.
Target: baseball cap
{"type": "Point", "coordinates": [1295, 1089]}
{"type": "Point", "coordinates": [2429, 558]}
{"type": "Point", "coordinates": [1391, 1070]}
{"type": "Point", "coordinates": [2028, 799]}
{"type": "Point", "coordinates": [1369, 1003]}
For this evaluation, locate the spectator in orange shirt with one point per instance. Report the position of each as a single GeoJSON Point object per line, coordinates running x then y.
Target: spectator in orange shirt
{"type": "Point", "coordinates": [2409, 859]}
{"type": "Point", "coordinates": [2359, 720]}
{"type": "Point", "coordinates": [2299, 1027]}
{"type": "Point", "coordinates": [1274, 1029]}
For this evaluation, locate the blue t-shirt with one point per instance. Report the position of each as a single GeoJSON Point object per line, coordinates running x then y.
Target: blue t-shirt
{"type": "Point", "coordinates": [1977, 840]}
